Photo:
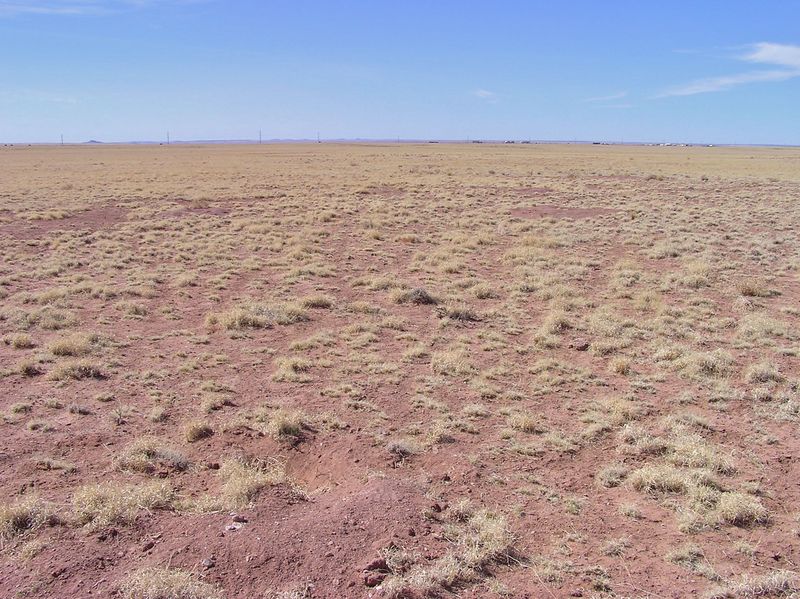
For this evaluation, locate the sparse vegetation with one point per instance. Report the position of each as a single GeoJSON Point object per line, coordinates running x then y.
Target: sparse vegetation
{"type": "Point", "coordinates": [197, 430]}
{"type": "Point", "coordinates": [597, 342]}
{"type": "Point", "coordinates": [22, 517]}
{"type": "Point", "coordinates": [161, 583]}
{"type": "Point", "coordinates": [107, 503]}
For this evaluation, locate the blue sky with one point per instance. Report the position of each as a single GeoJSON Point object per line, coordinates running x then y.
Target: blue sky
{"type": "Point", "coordinates": [118, 70]}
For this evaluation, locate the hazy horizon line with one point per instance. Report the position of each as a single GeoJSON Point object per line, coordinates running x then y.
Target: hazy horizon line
{"type": "Point", "coordinates": [422, 140]}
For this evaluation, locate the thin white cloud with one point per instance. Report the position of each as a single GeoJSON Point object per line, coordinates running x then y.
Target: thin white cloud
{"type": "Point", "coordinates": [778, 54]}
{"type": "Point", "coordinates": [485, 94]}
{"type": "Point", "coordinates": [787, 57]}
{"type": "Point", "coordinates": [10, 8]}
{"type": "Point", "coordinates": [609, 98]}
{"type": "Point", "coordinates": [718, 84]}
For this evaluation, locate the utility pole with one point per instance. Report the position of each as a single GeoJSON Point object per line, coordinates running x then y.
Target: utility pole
{"type": "Point", "coordinates": [259, 137]}
{"type": "Point", "coordinates": [167, 137]}
{"type": "Point", "coordinates": [62, 139]}
{"type": "Point", "coordinates": [318, 141]}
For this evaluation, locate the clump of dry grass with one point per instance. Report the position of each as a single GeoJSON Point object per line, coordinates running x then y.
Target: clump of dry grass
{"type": "Point", "coordinates": [76, 344]}
{"type": "Point", "coordinates": [780, 583]}
{"type": "Point", "coordinates": [760, 326]}
{"type": "Point", "coordinates": [741, 509]}
{"type": "Point", "coordinates": [451, 363]}
{"type": "Point", "coordinates": [612, 475]}
{"type": "Point", "coordinates": [763, 372]}
{"type": "Point", "coordinates": [23, 516]}
{"type": "Point", "coordinates": [108, 503]}
{"type": "Point", "coordinates": [245, 317]}
{"type": "Point", "coordinates": [19, 341]}
{"type": "Point", "coordinates": [20, 407]}
{"type": "Point", "coordinates": [287, 425]}
{"type": "Point", "coordinates": [197, 430]}
{"type": "Point", "coordinates": [660, 478]}
{"type": "Point", "coordinates": [400, 449]}
{"type": "Point", "coordinates": [243, 479]}
{"type": "Point", "coordinates": [292, 370]}
{"type": "Point", "coordinates": [692, 451]}
{"type": "Point", "coordinates": [555, 323]}
{"type": "Point", "coordinates": [77, 370]}
{"type": "Point", "coordinates": [49, 319]}
{"type": "Point", "coordinates": [186, 279]}
{"type": "Point", "coordinates": [417, 296]}
{"type": "Point", "coordinates": [480, 539]}
{"type": "Point", "coordinates": [318, 300]}
{"type": "Point", "coordinates": [28, 367]}
{"type": "Point", "coordinates": [526, 422]}
{"type": "Point", "coordinates": [303, 591]}
{"type": "Point", "coordinates": [692, 557]}
{"type": "Point", "coordinates": [619, 365]}
{"type": "Point", "coordinates": [131, 309]}
{"type": "Point", "coordinates": [753, 288]}
{"type": "Point", "coordinates": [146, 454]}
{"type": "Point", "coordinates": [484, 291]}
{"type": "Point", "coordinates": [475, 410]}
{"type": "Point", "coordinates": [714, 364]}
{"type": "Point", "coordinates": [163, 583]}
{"type": "Point", "coordinates": [46, 463]}
{"type": "Point", "coordinates": [697, 274]}
{"type": "Point", "coordinates": [616, 547]}
{"type": "Point", "coordinates": [687, 555]}
{"type": "Point", "coordinates": [253, 315]}
{"type": "Point", "coordinates": [459, 313]}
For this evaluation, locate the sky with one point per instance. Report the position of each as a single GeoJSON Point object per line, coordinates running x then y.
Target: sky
{"type": "Point", "coordinates": [699, 71]}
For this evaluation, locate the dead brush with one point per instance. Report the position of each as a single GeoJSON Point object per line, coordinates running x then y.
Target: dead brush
{"type": "Point", "coordinates": [477, 542]}
{"type": "Point", "coordinates": [197, 430]}
{"type": "Point", "coordinates": [255, 315]}
{"type": "Point", "coordinates": [75, 345]}
{"type": "Point", "coordinates": [147, 454]}
{"type": "Point", "coordinates": [402, 449]}
{"type": "Point", "coordinates": [243, 478]}
{"type": "Point", "coordinates": [779, 583]}
{"type": "Point", "coordinates": [753, 288]}
{"type": "Point", "coordinates": [163, 583]}
{"type": "Point", "coordinates": [108, 503]}
{"type": "Point", "coordinates": [286, 425]}
{"type": "Point", "coordinates": [714, 364]}
{"type": "Point", "coordinates": [759, 327]}
{"type": "Point", "coordinates": [317, 301]}
{"type": "Point", "coordinates": [19, 341]}
{"type": "Point", "coordinates": [763, 372]}
{"type": "Point", "coordinates": [451, 363]}
{"type": "Point", "coordinates": [526, 422]}
{"type": "Point", "coordinates": [77, 370]}
{"type": "Point", "coordinates": [555, 323]}
{"type": "Point", "coordinates": [292, 370]}
{"type": "Point", "coordinates": [28, 367]}
{"type": "Point", "coordinates": [458, 313]}
{"type": "Point", "coordinates": [612, 475]}
{"type": "Point", "coordinates": [417, 296]}
{"type": "Point", "coordinates": [23, 516]}
{"type": "Point", "coordinates": [690, 450]}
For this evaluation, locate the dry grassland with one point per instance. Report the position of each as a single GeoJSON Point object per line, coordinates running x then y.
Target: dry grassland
{"type": "Point", "coordinates": [399, 371]}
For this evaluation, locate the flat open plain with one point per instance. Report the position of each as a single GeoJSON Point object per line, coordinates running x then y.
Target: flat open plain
{"type": "Point", "coordinates": [302, 370]}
